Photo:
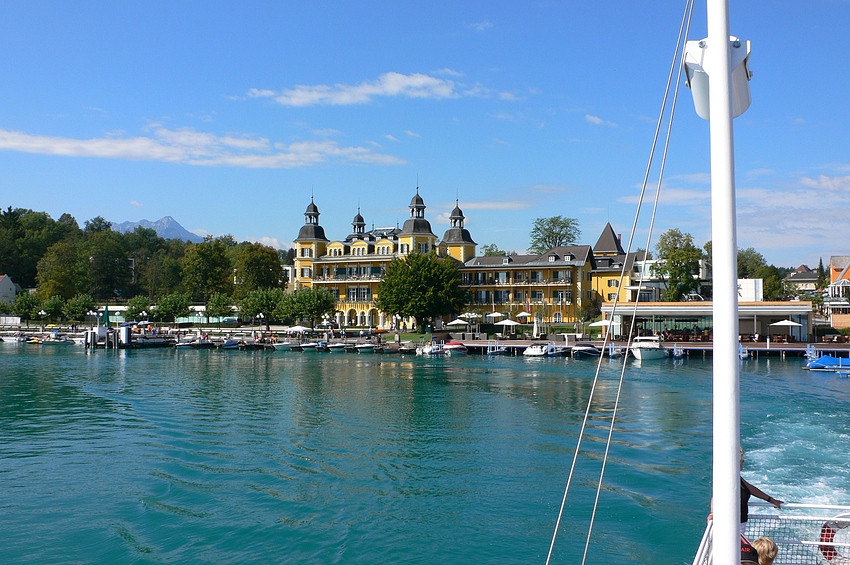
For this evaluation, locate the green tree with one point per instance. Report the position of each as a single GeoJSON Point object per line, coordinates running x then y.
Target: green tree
{"type": "Point", "coordinates": [219, 305]}
{"type": "Point", "coordinates": [159, 275]}
{"type": "Point", "coordinates": [749, 261]}
{"type": "Point", "coordinates": [421, 286]}
{"type": "Point", "coordinates": [257, 267]}
{"type": "Point", "coordinates": [556, 231]}
{"type": "Point", "coordinates": [823, 275]}
{"type": "Point", "coordinates": [97, 224]}
{"type": "Point", "coordinates": [108, 269]}
{"type": "Point", "coordinates": [286, 311]}
{"type": "Point", "coordinates": [773, 284]}
{"type": "Point", "coordinates": [313, 303]}
{"type": "Point", "coordinates": [54, 307]}
{"type": "Point", "coordinates": [261, 301]}
{"type": "Point", "coordinates": [135, 307]}
{"type": "Point", "coordinates": [678, 265]}
{"type": "Point", "coordinates": [77, 307]}
{"type": "Point", "coordinates": [492, 250]}
{"type": "Point", "coordinates": [206, 268]}
{"type": "Point", "coordinates": [172, 306]}
{"type": "Point", "coordinates": [26, 306]}
{"type": "Point", "coordinates": [58, 271]}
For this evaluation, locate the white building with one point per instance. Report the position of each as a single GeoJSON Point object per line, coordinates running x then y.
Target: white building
{"type": "Point", "coordinates": [7, 289]}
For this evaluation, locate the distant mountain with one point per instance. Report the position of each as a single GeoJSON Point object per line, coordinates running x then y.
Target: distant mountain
{"type": "Point", "coordinates": [166, 227]}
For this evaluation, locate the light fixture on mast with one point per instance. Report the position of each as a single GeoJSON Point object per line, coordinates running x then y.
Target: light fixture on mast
{"type": "Point", "coordinates": [697, 75]}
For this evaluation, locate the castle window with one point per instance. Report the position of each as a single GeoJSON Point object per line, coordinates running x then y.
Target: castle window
{"type": "Point", "coordinates": [306, 252]}
{"type": "Point", "coordinates": [423, 248]}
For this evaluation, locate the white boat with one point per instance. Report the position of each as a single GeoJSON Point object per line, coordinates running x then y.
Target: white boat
{"type": "Point", "coordinates": [548, 349]}
{"type": "Point", "coordinates": [365, 348]}
{"type": "Point", "coordinates": [282, 346]}
{"type": "Point", "coordinates": [646, 348]}
{"type": "Point", "coordinates": [493, 348]}
{"type": "Point", "coordinates": [454, 348]}
{"type": "Point", "coordinates": [585, 351]}
{"type": "Point", "coordinates": [337, 347]}
{"type": "Point", "coordinates": [308, 346]}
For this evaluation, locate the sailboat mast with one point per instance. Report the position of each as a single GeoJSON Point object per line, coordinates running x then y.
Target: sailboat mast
{"type": "Point", "coordinates": [726, 411]}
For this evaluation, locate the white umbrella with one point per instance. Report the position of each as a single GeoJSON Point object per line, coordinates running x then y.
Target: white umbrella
{"type": "Point", "coordinates": [787, 323]}
{"type": "Point", "coordinates": [507, 323]}
{"type": "Point", "coordinates": [600, 324]}
{"type": "Point", "coordinates": [494, 315]}
{"type": "Point", "coordinates": [523, 314]}
{"type": "Point", "coordinates": [470, 315]}
{"type": "Point", "coordinates": [297, 329]}
{"type": "Point", "coordinates": [458, 322]}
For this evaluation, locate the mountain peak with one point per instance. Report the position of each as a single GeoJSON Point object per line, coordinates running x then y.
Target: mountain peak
{"type": "Point", "coordinates": [166, 227]}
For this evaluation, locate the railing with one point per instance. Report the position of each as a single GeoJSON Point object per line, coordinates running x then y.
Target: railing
{"type": "Point", "coordinates": [806, 534]}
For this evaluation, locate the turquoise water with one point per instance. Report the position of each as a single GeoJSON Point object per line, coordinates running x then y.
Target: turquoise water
{"type": "Point", "coordinates": [166, 456]}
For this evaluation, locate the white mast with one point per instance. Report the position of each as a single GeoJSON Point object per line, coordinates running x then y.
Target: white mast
{"type": "Point", "coordinates": [726, 411]}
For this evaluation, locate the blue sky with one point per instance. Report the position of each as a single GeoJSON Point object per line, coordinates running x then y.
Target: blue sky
{"type": "Point", "coordinates": [227, 115]}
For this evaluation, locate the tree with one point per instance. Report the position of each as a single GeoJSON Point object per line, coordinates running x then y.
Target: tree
{"type": "Point", "coordinates": [823, 276]}
{"type": "Point", "coordinates": [257, 267]}
{"type": "Point", "coordinates": [313, 303]}
{"type": "Point", "coordinates": [678, 264]}
{"type": "Point", "coordinates": [773, 285]}
{"type": "Point", "coordinates": [26, 306]}
{"type": "Point", "coordinates": [219, 305]}
{"type": "Point", "coordinates": [261, 301]}
{"type": "Point", "coordinates": [749, 261]}
{"type": "Point", "coordinates": [422, 286]}
{"type": "Point", "coordinates": [547, 233]}
{"type": "Point", "coordinates": [57, 271]}
{"type": "Point", "coordinates": [492, 250]}
{"type": "Point", "coordinates": [206, 268]}
{"type": "Point", "coordinates": [77, 307]}
{"type": "Point", "coordinates": [97, 224]}
{"type": "Point", "coordinates": [172, 306]}
{"type": "Point", "coordinates": [103, 257]}
{"type": "Point", "coordinates": [135, 307]}
{"type": "Point", "coordinates": [53, 306]}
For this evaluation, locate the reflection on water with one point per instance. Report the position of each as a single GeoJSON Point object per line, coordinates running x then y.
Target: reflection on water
{"type": "Point", "coordinates": [162, 455]}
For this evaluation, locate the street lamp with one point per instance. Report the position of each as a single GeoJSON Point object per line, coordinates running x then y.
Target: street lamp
{"type": "Point", "coordinates": [260, 316]}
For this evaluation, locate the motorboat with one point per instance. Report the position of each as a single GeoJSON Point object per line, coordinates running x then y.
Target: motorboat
{"type": "Point", "coordinates": [548, 349]}
{"type": "Point", "coordinates": [365, 347]}
{"type": "Point", "coordinates": [231, 344]}
{"type": "Point", "coordinates": [585, 351]}
{"type": "Point", "coordinates": [337, 347]}
{"type": "Point", "coordinates": [493, 348]}
{"type": "Point", "coordinates": [646, 348]}
{"type": "Point", "coordinates": [829, 363]}
{"type": "Point", "coordinates": [454, 348]}
{"type": "Point", "coordinates": [308, 346]}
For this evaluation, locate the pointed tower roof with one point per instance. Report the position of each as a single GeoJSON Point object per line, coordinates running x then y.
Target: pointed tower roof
{"type": "Point", "coordinates": [608, 242]}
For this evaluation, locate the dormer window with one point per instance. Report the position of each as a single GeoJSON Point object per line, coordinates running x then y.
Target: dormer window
{"type": "Point", "coordinates": [506, 260]}
{"type": "Point", "coordinates": [552, 258]}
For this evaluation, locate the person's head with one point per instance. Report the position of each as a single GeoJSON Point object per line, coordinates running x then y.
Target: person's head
{"type": "Point", "coordinates": [766, 549]}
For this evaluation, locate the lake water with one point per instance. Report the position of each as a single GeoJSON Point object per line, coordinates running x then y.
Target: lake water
{"type": "Point", "coordinates": [163, 456]}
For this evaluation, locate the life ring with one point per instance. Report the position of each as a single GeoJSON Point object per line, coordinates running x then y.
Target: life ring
{"type": "Point", "coordinates": [827, 536]}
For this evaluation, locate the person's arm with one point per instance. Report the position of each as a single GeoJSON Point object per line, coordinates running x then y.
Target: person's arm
{"type": "Point", "coordinates": [758, 493]}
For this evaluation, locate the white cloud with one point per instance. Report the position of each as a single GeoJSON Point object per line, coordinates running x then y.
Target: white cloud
{"type": "Point", "coordinates": [671, 197]}
{"type": "Point", "coordinates": [391, 138]}
{"type": "Point", "coordinates": [827, 183]}
{"type": "Point", "coordinates": [191, 147]}
{"type": "Point", "coordinates": [271, 242]}
{"type": "Point", "coordinates": [416, 85]}
{"type": "Point", "coordinates": [500, 141]}
{"type": "Point", "coordinates": [327, 132]}
{"type": "Point", "coordinates": [135, 203]}
{"type": "Point", "coordinates": [481, 26]}
{"type": "Point", "coordinates": [412, 133]}
{"type": "Point", "coordinates": [598, 121]}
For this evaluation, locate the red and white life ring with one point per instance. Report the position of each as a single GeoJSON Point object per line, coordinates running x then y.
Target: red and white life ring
{"type": "Point", "coordinates": [827, 536]}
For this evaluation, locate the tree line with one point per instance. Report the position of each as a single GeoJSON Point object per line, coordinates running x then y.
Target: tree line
{"type": "Point", "coordinates": [72, 268]}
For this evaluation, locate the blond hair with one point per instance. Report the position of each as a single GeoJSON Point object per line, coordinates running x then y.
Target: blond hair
{"type": "Point", "coordinates": [766, 549]}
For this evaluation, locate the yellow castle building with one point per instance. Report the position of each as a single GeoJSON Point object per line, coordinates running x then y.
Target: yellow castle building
{"type": "Point", "coordinates": [552, 287]}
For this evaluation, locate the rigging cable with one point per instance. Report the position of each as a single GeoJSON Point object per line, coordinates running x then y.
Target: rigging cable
{"type": "Point", "coordinates": [683, 31]}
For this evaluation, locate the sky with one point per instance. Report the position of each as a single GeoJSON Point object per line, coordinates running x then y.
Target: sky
{"type": "Point", "coordinates": [228, 116]}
